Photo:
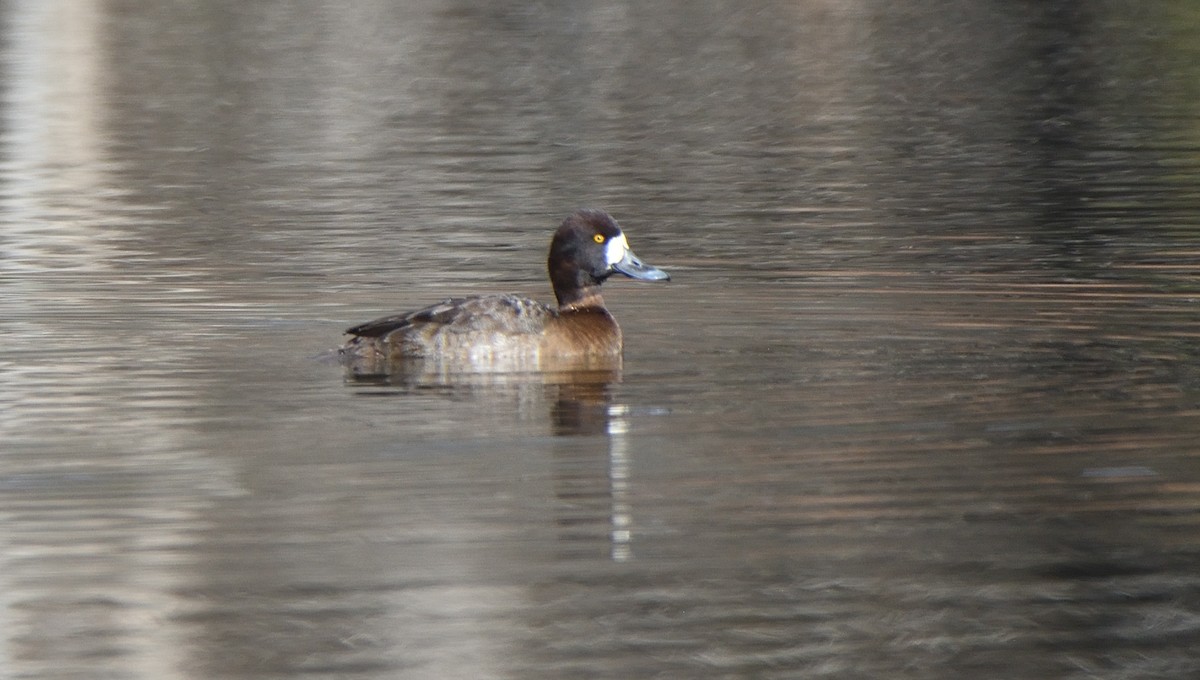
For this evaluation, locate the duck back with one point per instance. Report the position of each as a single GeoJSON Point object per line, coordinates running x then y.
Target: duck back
{"type": "Point", "coordinates": [456, 327]}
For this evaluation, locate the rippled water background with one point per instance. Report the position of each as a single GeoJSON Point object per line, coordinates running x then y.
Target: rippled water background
{"type": "Point", "coordinates": [922, 401]}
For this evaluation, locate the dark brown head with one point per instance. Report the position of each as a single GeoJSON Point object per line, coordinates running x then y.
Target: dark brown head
{"type": "Point", "coordinates": [588, 248]}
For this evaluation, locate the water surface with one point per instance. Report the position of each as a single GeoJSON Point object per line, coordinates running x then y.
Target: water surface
{"type": "Point", "coordinates": [922, 399]}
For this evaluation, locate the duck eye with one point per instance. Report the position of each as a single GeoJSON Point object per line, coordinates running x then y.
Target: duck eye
{"type": "Point", "coordinates": [598, 238]}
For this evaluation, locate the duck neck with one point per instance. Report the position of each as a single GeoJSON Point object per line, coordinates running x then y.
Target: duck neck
{"type": "Point", "coordinates": [579, 298]}
{"type": "Point", "coordinates": [573, 287]}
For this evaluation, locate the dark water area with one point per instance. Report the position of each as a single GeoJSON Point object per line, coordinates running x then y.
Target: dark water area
{"type": "Point", "coordinates": [922, 399]}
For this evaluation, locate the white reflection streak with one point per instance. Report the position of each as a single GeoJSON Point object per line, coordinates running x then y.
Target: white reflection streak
{"type": "Point", "coordinates": [53, 161]}
{"type": "Point", "coordinates": [53, 169]}
{"type": "Point", "coordinates": [621, 519]}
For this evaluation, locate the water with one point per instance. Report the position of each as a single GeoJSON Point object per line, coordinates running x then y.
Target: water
{"type": "Point", "coordinates": [922, 399]}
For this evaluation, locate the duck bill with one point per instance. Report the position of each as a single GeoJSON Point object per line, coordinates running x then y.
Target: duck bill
{"type": "Point", "coordinates": [634, 268]}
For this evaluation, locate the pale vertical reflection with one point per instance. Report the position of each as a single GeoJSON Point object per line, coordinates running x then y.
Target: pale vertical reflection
{"type": "Point", "coordinates": [53, 226]}
{"type": "Point", "coordinates": [51, 168]}
{"type": "Point", "coordinates": [53, 164]}
{"type": "Point", "coordinates": [621, 519]}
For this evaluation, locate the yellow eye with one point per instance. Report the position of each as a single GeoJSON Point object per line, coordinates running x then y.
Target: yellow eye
{"type": "Point", "coordinates": [598, 238]}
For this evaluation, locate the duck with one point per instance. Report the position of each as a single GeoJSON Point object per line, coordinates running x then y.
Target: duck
{"type": "Point", "coordinates": [515, 331]}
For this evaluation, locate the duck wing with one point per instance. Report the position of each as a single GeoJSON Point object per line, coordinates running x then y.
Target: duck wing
{"type": "Point", "coordinates": [489, 313]}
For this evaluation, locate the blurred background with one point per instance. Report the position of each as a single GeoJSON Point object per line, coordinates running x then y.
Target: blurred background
{"type": "Point", "coordinates": [922, 399]}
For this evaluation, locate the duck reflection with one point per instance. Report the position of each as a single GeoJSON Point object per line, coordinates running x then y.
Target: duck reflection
{"type": "Point", "coordinates": [590, 453]}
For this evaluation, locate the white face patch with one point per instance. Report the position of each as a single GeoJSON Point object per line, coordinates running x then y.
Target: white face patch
{"type": "Point", "coordinates": [615, 251]}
